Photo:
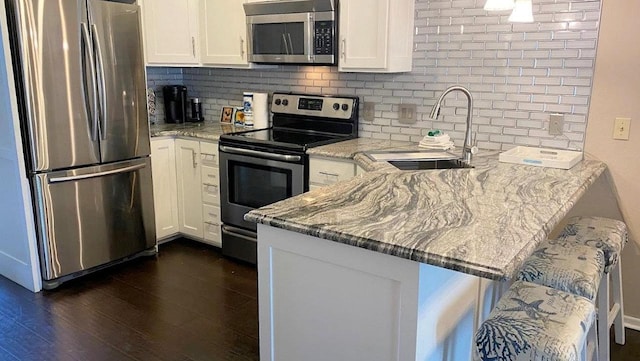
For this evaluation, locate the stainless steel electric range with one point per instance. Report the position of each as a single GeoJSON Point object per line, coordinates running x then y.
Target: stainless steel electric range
{"type": "Point", "coordinates": [263, 166]}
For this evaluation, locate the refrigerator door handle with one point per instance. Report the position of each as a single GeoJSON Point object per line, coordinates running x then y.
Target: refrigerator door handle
{"type": "Point", "coordinates": [92, 112]}
{"type": "Point", "coordinates": [102, 86]}
{"type": "Point", "coordinates": [98, 174]}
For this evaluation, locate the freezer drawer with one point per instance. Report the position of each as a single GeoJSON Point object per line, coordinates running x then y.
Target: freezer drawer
{"type": "Point", "coordinates": [91, 216]}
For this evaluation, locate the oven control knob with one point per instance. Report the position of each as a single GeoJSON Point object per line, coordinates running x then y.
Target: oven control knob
{"type": "Point", "coordinates": [285, 102]}
{"type": "Point", "coordinates": [278, 101]}
{"type": "Point", "coordinates": [336, 106]}
{"type": "Point", "coordinates": [345, 107]}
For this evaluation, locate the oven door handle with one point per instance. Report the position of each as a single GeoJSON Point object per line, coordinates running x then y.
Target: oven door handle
{"type": "Point", "coordinates": [238, 232]}
{"type": "Point", "coordinates": [255, 153]}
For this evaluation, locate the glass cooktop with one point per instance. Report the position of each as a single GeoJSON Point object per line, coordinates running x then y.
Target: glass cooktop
{"type": "Point", "coordinates": [285, 138]}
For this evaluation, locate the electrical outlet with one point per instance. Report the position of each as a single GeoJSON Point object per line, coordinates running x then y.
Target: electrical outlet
{"type": "Point", "coordinates": [621, 128]}
{"type": "Point", "coordinates": [369, 111]}
{"type": "Point", "coordinates": [407, 113]}
{"type": "Point", "coordinates": [556, 124]}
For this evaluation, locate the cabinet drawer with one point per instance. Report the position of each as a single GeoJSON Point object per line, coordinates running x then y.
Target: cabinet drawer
{"type": "Point", "coordinates": [210, 185]}
{"type": "Point", "coordinates": [325, 171]}
{"type": "Point", "coordinates": [209, 152]}
{"type": "Point", "coordinates": [211, 214]}
{"type": "Point", "coordinates": [212, 234]}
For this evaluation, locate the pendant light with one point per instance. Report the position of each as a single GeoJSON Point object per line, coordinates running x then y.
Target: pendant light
{"type": "Point", "coordinates": [498, 5]}
{"type": "Point", "coordinates": [522, 12]}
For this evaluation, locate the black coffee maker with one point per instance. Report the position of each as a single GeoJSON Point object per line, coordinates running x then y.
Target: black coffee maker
{"type": "Point", "coordinates": [175, 103]}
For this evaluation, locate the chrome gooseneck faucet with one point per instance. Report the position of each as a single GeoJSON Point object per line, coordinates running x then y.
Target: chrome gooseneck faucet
{"type": "Point", "coordinates": [469, 148]}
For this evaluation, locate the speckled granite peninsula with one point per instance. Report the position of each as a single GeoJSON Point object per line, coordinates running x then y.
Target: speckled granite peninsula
{"type": "Point", "coordinates": [483, 221]}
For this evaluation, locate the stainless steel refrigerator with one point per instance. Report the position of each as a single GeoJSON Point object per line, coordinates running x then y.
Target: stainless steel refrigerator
{"type": "Point", "coordinates": [80, 78]}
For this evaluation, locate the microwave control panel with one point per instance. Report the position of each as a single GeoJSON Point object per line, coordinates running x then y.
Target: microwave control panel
{"type": "Point", "coordinates": [324, 38]}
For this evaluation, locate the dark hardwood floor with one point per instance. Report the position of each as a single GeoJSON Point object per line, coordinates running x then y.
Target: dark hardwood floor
{"type": "Point", "coordinates": [189, 303]}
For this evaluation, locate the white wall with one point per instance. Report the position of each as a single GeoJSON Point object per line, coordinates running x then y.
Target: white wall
{"type": "Point", "coordinates": [616, 93]}
{"type": "Point", "coordinates": [18, 260]}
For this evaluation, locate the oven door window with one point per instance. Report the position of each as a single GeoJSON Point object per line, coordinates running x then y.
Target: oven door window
{"type": "Point", "coordinates": [285, 38]}
{"type": "Point", "coordinates": [254, 186]}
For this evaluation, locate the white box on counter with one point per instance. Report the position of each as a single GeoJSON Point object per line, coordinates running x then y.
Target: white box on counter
{"type": "Point", "coordinates": [541, 157]}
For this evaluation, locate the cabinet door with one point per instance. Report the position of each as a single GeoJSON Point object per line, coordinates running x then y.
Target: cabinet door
{"type": "Point", "coordinates": [189, 187]}
{"type": "Point", "coordinates": [171, 31]}
{"type": "Point", "coordinates": [163, 166]}
{"type": "Point", "coordinates": [364, 29]}
{"type": "Point", "coordinates": [223, 30]}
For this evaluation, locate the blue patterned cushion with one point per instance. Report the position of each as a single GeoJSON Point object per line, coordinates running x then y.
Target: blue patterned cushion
{"type": "Point", "coordinates": [607, 234]}
{"type": "Point", "coordinates": [535, 323]}
{"type": "Point", "coordinates": [565, 266]}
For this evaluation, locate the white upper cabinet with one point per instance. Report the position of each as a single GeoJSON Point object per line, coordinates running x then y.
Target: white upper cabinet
{"type": "Point", "coordinates": [223, 33]}
{"type": "Point", "coordinates": [376, 35]}
{"type": "Point", "coordinates": [171, 31]}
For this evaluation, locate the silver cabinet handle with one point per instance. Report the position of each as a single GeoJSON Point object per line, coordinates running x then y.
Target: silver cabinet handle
{"type": "Point", "coordinates": [193, 158]}
{"type": "Point", "coordinates": [250, 152]}
{"type": "Point", "coordinates": [193, 46]}
{"type": "Point", "coordinates": [101, 78]}
{"type": "Point", "coordinates": [92, 113]}
{"type": "Point", "coordinates": [343, 51]}
{"type": "Point", "coordinates": [241, 48]}
{"type": "Point", "coordinates": [95, 175]}
{"type": "Point", "coordinates": [330, 174]}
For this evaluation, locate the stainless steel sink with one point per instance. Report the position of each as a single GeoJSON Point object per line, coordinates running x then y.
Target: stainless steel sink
{"type": "Point", "coordinates": [424, 164]}
{"type": "Point", "coordinates": [417, 160]}
{"type": "Point", "coordinates": [405, 155]}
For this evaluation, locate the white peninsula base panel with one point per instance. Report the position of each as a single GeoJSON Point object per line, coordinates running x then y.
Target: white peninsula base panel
{"type": "Point", "coordinates": [323, 300]}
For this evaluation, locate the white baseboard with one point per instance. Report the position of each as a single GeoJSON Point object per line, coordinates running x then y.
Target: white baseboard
{"type": "Point", "coordinates": [632, 323]}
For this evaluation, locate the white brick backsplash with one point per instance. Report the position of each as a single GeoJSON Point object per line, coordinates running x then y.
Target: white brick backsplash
{"type": "Point", "coordinates": [518, 74]}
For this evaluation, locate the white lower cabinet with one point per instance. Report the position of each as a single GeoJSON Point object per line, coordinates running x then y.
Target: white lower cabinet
{"type": "Point", "coordinates": [189, 187]}
{"type": "Point", "coordinates": [165, 196]}
{"type": "Point", "coordinates": [210, 184]}
{"type": "Point", "coordinates": [324, 171]}
{"type": "Point", "coordinates": [186, 189]}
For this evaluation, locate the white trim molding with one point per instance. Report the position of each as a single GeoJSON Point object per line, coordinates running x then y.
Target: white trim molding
{"type": "Point", "coordinates": [632, 323]}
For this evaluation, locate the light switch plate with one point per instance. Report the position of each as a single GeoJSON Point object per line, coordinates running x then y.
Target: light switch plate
{"type": "Point", "coordinates": [369, 111]}
{"type": "Point", "coordinates": [407, 113]}
{"type": "Point", "coordinates": [621, 128]}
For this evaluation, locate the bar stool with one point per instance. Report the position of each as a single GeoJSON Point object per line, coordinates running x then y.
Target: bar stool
{"type": "Point", "coordinates": [610, 236]}
{"type": "Point", "coordinates": [565, 266]}
{"type": "Point", "coordinates": [535, 322]}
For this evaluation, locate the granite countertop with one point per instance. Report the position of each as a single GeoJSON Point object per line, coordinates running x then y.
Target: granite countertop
{"type": "Point", "coordinates": [207, 130]}
{"type": "Point", "coordinates": [350, 148]}
{"type": "Point", "coordinates": [482, 221]}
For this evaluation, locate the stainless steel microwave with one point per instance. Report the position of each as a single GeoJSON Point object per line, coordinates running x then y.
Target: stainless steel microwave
{"type": "Point", "coordinates": [292, 31]}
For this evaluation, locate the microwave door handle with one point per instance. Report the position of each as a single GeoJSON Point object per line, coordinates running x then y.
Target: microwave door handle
{"type": "Point", "coordinates": [310, 35]}
{"type": "Point", "coordinates": [286, 47]}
